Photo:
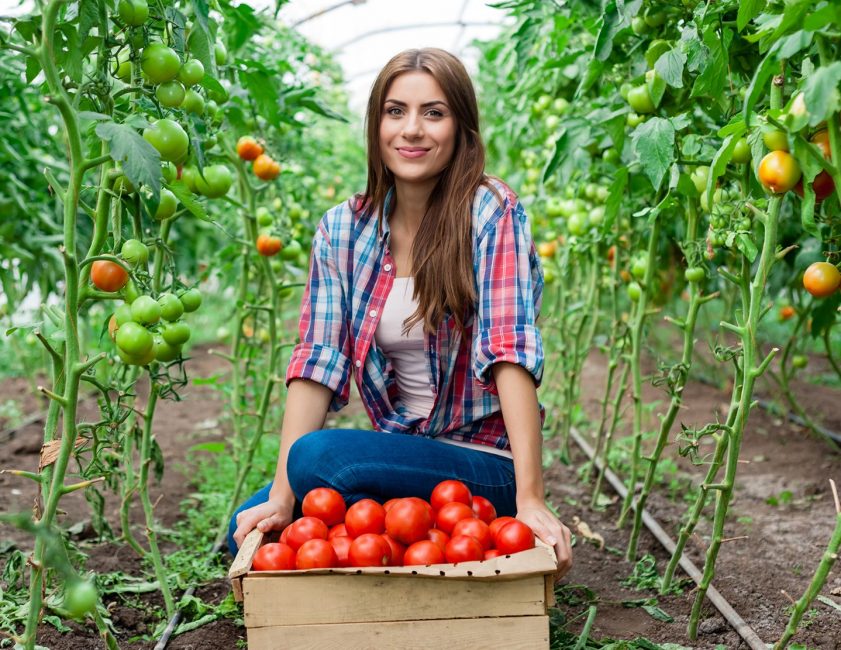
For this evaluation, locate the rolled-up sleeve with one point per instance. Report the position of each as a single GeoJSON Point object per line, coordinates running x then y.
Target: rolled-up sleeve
{"type": "Point", "coordinates": [323, 353]}
{"type": "Point", "coordinates": [509, 286]}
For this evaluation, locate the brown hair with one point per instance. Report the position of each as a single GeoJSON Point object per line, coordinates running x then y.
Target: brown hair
{"type": "Point", "coordinates": [442, 251]}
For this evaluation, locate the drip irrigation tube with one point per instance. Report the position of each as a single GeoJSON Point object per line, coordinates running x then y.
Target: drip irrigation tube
{"type": "Point", "coordinates": [176, 617]}
{"type": "Point", "coordinates": [737, 622]}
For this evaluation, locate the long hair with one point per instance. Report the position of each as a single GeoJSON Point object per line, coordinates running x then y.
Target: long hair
{"type": "Point", "coordinates": [442, 251]}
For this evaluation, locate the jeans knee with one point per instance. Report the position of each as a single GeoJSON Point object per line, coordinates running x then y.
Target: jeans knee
{"type": "Point", "coordinates": [308, 457]}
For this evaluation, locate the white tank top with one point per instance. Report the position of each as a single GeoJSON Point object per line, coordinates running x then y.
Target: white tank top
{"type": "Point", "coordinates": [408, 357]}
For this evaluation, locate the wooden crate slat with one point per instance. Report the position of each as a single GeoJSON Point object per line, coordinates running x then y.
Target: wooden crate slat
{"type": "Point", "coordinates": [315, 599]}
{"type": "Point", "coordinates": [509, 633]}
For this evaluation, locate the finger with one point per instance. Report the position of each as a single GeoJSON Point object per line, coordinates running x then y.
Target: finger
{"type": "Point", "coordinates": [275, 522]}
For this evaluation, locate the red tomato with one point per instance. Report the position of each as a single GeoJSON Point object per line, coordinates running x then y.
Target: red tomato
{"type": "Point", "coordinates": [492, 553]}
{"type": "Point", "coordinates": [369, 549]}
{"type": "Point", "coordinates": [397, 550]}
{"type": "Point", "coordinates": [341, 545]}
{"type": "Point", "coordinates": [285, 533]}
{"type": "Point", "coordinates": [316, 554]}
{"type": "Point", "coordinates": [407, 521]}
{"type": "Point", "coordinates": [438, 536]}
{"type": "Point", "coordinates": [303, 530]}
{"type": "Point", "coordinates": [484, 509]}
{"type": "Point", "coordinates": [447, 491]}
{"type": "Point", "coordinates": [514, 537]}
{"type": "Point", "coordinates": [273, 557]}
{"type": "Point", "coordinates": [452, 513]}
{"type": "Point", "coordinates": [339, 530]}
{"type": "Point", "coordinates": [474, 528]}
{"type": "Point", "coordinates": [423, 552]}
{"type": "Point", "coordinates": [108, 276]}
{"type": "Point", "coordinates": [425, 505]}
{"type": "Point", "coordinates": [498, 523]}
{"type": "Point", "coordinates": [325, 504]}
{"type": "Point", "coordinates": [366, 516]}
{"type": "Point", "coordinates": [387, 505]}
{"type": "Point", "coordinates": [464, 548]}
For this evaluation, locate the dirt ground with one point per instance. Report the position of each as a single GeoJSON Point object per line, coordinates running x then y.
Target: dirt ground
{"type": "Point", "coordinates": [778, 554]}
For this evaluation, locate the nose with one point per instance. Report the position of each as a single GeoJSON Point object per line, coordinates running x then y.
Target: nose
{"type": "Point", "coordinates": [412, 127]}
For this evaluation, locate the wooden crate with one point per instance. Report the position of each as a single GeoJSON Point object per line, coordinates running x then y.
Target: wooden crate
{"type": "Point", "coordinates": [499, 603]}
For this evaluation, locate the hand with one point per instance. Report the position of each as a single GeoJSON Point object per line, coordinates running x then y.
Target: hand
{"type": "Point", "coordinates": [274, 514]}
{"type": "Point", "coordinates": [550, 531]}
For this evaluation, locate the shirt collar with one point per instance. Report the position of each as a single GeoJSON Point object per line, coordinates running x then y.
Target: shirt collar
{"type": "Point", "coordinates": [385, 230]}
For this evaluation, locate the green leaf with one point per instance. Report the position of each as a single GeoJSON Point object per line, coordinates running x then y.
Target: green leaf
{"type": "Point", "coordinates": [616, 16]}
{"type": "Point", "coordinates": [714, 76]}
{"type": "Point", "coordinates": [140, 161]}
{"type": "Point", "coordinates": [748, 10]}
{"type": "Point", "coordinates": [670, 67]}
{"type": "Point", "coordinates": [657, 613]}
{"type": "Point", "coordinates": [92, 13]}
{"type": "Point", "coordinates": [654, 144]}
{"type": "Point", "coordinates": [825, 314]}
{"type": "Point", "coordinates": [820, 93]}
{"type": "Point", "coordinates": [262, 89]}
{"type": "Point", "coordinates": [200, 43]}
{"type": "Point", "coordinates": [212, 447]}
{"type": "Point", "coordinates": [615, 127]}
{"type": "Point", "coordinates": [317, 107]}
{"type": "Point", "coordinates": [745, 244]}
{"type": "Point", "coordinates": [615, 196]}
{"type": "Point", "coordinates": [188, 200]}
{"type": "Point", "coordinates": [720, 160]}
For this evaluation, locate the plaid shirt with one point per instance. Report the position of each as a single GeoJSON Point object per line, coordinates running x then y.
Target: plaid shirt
{"type": "Point", "coordinates": [350, 276]}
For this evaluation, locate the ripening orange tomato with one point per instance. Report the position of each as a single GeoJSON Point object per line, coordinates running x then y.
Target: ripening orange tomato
{"type": "Point", "coordinates": [823, 185]}
{"type": "Point", "coordinates": [779, 172]}
{"type": "Point", "coordinates": [786, 312]}
{"type": "Point", "coordinates": [822, 279]}
{"type": "Point", "coordinates": [248, 148]}
{"type": "Point", "coordinates": [266, 168]}
{"type": "Point", "coordinates": [108, 276]}
{"type": "Point", "coordinates": [267, 245]}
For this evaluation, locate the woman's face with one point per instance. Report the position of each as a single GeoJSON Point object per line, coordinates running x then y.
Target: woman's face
{"type": "Point", "coordinates": [417, 130]}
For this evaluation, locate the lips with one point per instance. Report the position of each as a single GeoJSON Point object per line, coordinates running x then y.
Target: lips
{"type": "Point", "coordinates": [412, 152]}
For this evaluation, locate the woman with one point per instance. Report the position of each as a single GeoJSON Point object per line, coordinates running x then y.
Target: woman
{"type": "Point", "coordinates": [425, 289]}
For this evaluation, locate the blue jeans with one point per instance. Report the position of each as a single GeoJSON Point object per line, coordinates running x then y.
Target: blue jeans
{"type": "Point", "coordinates": [364, 464]}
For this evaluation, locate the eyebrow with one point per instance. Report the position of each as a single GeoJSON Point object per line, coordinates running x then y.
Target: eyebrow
{"type": "Point", "coordinates": [434, 102]}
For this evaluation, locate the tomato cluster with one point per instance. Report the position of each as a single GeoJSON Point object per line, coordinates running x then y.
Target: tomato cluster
{"type": "Point", "coordinates": [452, 526]}
{"type": "Point", "coordinates": [264, 166]}
{"type": "Point", "coordinates": [145, 329]}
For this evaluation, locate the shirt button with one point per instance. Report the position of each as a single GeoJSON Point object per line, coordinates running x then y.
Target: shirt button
{"type": "Point", "coordinates": [372, 313]}
{"type": "Point", "coordinates": [358, 363]}
{"type": "Point", "coordinates": [387, 267]}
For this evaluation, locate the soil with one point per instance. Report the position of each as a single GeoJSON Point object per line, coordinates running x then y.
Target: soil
{"type": "Point", "coordinates": [774, 552]}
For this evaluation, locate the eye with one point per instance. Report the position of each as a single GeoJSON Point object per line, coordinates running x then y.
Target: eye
{"type": "Point", "coordinates": [391, 110]}
{"type": "Point", "coordinates": [432, 112]}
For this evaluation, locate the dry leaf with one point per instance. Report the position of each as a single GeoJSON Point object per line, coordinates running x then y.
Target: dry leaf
{"type": "Point", "coordinates": [586, 532]}
{"type": "Point", "coordinates": [49, 452]}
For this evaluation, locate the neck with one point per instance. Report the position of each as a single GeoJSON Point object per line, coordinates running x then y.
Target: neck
{"type": "Point", "coordinates": [411, 200]}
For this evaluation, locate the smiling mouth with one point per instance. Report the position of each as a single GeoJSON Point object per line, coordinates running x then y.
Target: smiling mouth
{"type": "Point", "coordinates": [412, 152]}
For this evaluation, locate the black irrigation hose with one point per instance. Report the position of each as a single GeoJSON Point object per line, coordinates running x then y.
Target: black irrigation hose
{"type": "Point", "coordinates": [737, 622]}
{"type": "Point", "coordinates": [176, 618]}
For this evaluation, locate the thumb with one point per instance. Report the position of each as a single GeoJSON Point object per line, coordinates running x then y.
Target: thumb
{"type": "Point", "coordinates": [274, 522]}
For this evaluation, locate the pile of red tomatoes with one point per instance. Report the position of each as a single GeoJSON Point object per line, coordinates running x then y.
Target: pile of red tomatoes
{"type": "Point", "coordinates": [453, 526]}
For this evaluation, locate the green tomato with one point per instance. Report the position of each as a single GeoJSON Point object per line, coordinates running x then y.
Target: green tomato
{"type": "Point", "coordinates": [122, 185]}
{"type": "Point", "coordinates": [123, 71]}
{"type": "Point", "coordinates": [216, 182]}
{"type": "Point", "coordinates": [168, 138]}
{"type": "Point", "coordinates": [633, 120]}
{"type": "Point", "coordinates": [220, 53]}
{"type": "Point", "coordinates": [775, 140]}
{"type": "Point", "coordinates": [656, 49]}
{"type": "Point", "coordinates": [291, 251]}
{"type": "Point", "coordinates": [264, 217]}
{"type": "Point", "coordinates": [170, 94]}
{"type": "Point", "coordinates": [552, 122]}
{"type": "Point", "coordinates": [694, 274]}
{"type": "Point", "coordinates": [639, 25]}
{"type": "Point", "coordinates": [800, 361]}
{"type": "Point", "coordinates": [699, 178]}
{"type": "Point", "coordinates": [123, 314]}
{"type": "Point", "coordinates": [211, 109]}
{"type": "Point", "coordinates": [129, 292]}
{"type": "Point", "coordinates": [159, 63]}
{"type": "Point", "coordinates": [611, 156]}
{"type": "Point", "coordinates": [145, 310]}
{"type": "Point", "coordinates": [169, 172]}
{"type": "Point", "coordinates": [164, 351]}
{"type": "Point", "coordinates": [134, 339]}
{"type": "Point", "coordinates": [191, 73]}
{"type": "Point", "coordinates": [577, 224]}
{"type": "Point", "coordinates": [133, 12]}
{"type": "Point", "coordinates": [167, 205]}
{"type": "Point", "coordinates": [171, 307]}
{"type": "Point", "coordinates": [176, 333]}
{"type": "Point", "coordinates": [716, 199]}
{"type": "Point", "coordinates": [80, 597]}
{"type": "Point", "coordinates": [193, 102]}
{"type": "Point", "coordinates": [634, 291]}
{"type": "Point", "coordinates": [191, 299]}
{"type": "Point", "coordinates": [741, 152]}
{"type": "Point", "coordinates": [134, 252]}
{"type": "Point", "coordinates": [209, 142]}
{"type": "Point", "coordinates": [640, 99]}
{"type": "Point", "coordinates": [596, 215]}
{"type": "Point", "coordinates": [137, 359]}
{"type": "Point", "coordinates": [188, 177]}
{"type": "Point", "coordinates": [639, 267]}
{"type": "Point", "coordinates": [654, 17]}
